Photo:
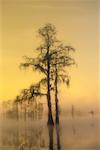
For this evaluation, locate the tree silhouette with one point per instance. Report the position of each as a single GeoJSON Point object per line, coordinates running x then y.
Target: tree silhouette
{"type": "Point", "coordinates": [52, 59]}
{"type": "Point", "coordinates": [17, 101]}
{"type": "Point", "coordinates": [43, 62]}
{"type": "Point", "coordinates": [60, 60]}
{"type": "Point", "coordinates": [26, 97]}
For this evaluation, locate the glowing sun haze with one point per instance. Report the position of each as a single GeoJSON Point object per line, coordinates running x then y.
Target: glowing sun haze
{"type": "Point", "coordinates": [77, 24]}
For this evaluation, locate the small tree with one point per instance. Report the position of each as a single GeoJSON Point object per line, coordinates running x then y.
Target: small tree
{"type": "Point", "coordinates": [16, 102]}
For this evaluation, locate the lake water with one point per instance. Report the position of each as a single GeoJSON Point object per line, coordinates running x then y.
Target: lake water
{"type": "Point", "coordinates": [80, 133]}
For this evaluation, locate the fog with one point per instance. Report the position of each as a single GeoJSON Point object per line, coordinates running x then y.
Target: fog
{"type": "Point", "coordinates": [75, 132]}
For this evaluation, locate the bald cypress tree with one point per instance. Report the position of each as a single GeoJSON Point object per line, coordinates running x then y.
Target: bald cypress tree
{"type": "Point", "coordinates": [61, 60]}
{"type": "Point", "coordinates": [43, 62]}
{"type": "Point", "coordinates": [53, 57]}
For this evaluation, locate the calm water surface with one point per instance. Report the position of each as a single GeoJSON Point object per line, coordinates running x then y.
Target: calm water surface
{"type": "Point", "coordinates": [72, 134]}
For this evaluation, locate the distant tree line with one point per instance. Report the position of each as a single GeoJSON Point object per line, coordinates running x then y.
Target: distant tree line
{"type": "Point", "coordinates": [25, 105]}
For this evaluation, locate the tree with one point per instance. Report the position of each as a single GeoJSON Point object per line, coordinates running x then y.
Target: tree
{"type": "Point", "coordinates": [43, 61]}
{"type": "Point", "coordinates": [16, 102]}
{"type": "Point", "coordinates": [52, 60]}
{"type": "Point", "coordinates": [60, 60]}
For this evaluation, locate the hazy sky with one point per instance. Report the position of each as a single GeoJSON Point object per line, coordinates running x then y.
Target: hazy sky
{"type": "Point", "coordinates": [77, 23]}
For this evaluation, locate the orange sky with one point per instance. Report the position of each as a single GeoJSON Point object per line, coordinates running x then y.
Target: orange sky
{"type": "Point", "coordinates": [77, 23]}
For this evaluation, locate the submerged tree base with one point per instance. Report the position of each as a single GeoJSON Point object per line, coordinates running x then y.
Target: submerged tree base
{"type": "Point", "coordinates": [50, 121]}
{"type": "Point", "coordinates": [57, 121]}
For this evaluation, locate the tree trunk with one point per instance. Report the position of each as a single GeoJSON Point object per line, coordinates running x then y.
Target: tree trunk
{"type": "Point", "coordinates": [56, 96]}
{"type": "Point", "coordinates": [17, 111]}
{"type": "Point", "coordinates": [25, 113]}
{"type": "Point", "coordinates": [50, 117]}
{"type": "Point", "coordinates": [57, 112]}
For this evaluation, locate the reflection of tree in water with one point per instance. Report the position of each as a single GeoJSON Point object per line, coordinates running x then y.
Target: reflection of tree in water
{"type": "Point", "coordinates": [50, 131]}
{"type": "Point", "coordinates": [32, 140]}
{"type": "Point", "coordinates": [58, 137]}
{"type": "Point", "coordinates": [51, 138]}
{"type": "Point", "coordinates": [73, 130]}
{"type": "Point", "coordinates": [22, 139]}
{"type": "Point", "coordinates": [29, 137]}
{"type": "Point", "coordinates": [10, 138]}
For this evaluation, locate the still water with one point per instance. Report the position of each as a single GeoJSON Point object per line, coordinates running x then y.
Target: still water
{"type": "Point", "coordinates": [81, 133]}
